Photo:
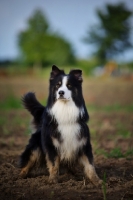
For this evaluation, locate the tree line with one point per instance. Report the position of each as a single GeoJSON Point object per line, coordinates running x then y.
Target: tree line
{"type": "Point", "coordinates": [39, 46]}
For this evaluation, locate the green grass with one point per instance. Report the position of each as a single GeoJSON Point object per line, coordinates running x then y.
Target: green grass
{"type": "Point", "coordinates": [52, 195]}
{"type": "Point", "coordinates": [11, 102]}
{"type": "Point", "coordinates": [12, 122]}
{"type": "Point", "coordinates": [104, 187]}
{"type": "Point", "coordinates": [124, 133]}
{"type": "Point", "coordinates": [100, 152]}
{"type": "Point", "coordinates": [110, 108]}
{"type": "Point", "coordinates": [2, 120]}
{"type": "Point", "coordinates": [129, 153]}
{"type": "Point", "coordinates": [43, 102]}
{"type": "Point", "coordinates": [115, 153]}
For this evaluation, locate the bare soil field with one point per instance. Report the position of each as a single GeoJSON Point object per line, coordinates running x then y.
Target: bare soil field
{"type": "Point", "coordinates": [110, 105]}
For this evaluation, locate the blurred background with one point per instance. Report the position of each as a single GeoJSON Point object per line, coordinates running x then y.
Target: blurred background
{"type": "Point", "coordinates": [95, 36]}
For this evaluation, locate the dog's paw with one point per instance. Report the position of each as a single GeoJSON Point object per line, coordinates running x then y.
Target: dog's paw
{"type": "Point", "coordinates": [23, 174]}
{"type": "Point", "coordinates": [96, 181]}
{"type": "Point", "coordinates": [53, 180]}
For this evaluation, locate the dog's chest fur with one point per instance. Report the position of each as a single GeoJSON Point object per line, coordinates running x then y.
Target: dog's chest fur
{"type": "Point", "coordinates": [66, 113]}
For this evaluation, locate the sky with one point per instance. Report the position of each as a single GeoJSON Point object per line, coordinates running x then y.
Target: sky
{"type": "Point", "coordinates": [71, 19]}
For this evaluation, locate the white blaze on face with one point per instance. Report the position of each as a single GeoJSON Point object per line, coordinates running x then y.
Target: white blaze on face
{"type": "Point", "coordinates": [67, 92]}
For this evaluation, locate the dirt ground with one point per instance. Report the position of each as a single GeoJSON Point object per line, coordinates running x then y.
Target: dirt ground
{"type": "Point", "coordinates": [110, 129]}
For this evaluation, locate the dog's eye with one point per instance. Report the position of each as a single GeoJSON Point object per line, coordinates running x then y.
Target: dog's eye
{"type": "Point", "coordinates": [58, 85]}
{"type": "Point", "coordinates": [69, 85]}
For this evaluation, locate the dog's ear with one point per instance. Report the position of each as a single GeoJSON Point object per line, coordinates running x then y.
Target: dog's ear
{"type": "Point", "coordinates": [55, 71]}
{"type": "Point", "coordinates": [77, 73]}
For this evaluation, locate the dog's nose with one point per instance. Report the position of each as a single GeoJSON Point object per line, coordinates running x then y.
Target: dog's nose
{"type": "Point", "coordinates": [61, 92]}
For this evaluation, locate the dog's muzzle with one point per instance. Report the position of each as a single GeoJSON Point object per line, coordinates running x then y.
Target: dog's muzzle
{"type": "Point", "coordinates": [61, 94]}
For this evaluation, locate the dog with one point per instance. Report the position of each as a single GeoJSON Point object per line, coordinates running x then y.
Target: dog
{"type": "Point", "coordinates": [61, 134]}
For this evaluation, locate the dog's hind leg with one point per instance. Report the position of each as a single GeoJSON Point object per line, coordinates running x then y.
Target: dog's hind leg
{"type": "Point", "coordinates": [89, 170]}
{"type": "Point", "coordinates": [33, 159]}
{"type": "Point", "coordinates": [31, 155]}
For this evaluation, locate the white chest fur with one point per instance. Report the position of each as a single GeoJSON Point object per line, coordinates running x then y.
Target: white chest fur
{"type": "Point", "coordinates": [66, 114]}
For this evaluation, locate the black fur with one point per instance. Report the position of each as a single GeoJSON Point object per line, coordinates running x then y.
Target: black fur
{"type": "Point", "coordinates": [34, 107]}
{"type": "Point", "coordinates": [34, 143]}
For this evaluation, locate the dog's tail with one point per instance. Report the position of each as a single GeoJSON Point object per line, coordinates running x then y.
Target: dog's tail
{"type": "Point", "coordinates": [34, 107]}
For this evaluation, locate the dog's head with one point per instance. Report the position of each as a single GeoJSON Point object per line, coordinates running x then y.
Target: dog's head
{"type": "Point", "coordinates": [65, 86]}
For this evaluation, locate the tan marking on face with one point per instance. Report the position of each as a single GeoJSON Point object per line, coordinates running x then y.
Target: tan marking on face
{"type": "Point", "coordinates": [58, 84]}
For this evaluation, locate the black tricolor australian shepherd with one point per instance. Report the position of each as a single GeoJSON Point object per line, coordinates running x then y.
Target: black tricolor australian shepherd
{"type": "Point", "coordinates": [61, 131]}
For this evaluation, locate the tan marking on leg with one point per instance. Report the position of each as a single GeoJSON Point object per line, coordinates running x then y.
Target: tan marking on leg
{"type": "Point", "coordinates": [89, 170]}
{"type": "Point", "coordinates": [53, 169]}
{"type": "Point", "coordinates": [33, 159]}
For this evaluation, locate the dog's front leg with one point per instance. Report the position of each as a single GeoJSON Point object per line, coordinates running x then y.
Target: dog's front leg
{"type": "Point", "coordinates": [53, 167]}
{"type": "Point", "coordinates": [89, 170]}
